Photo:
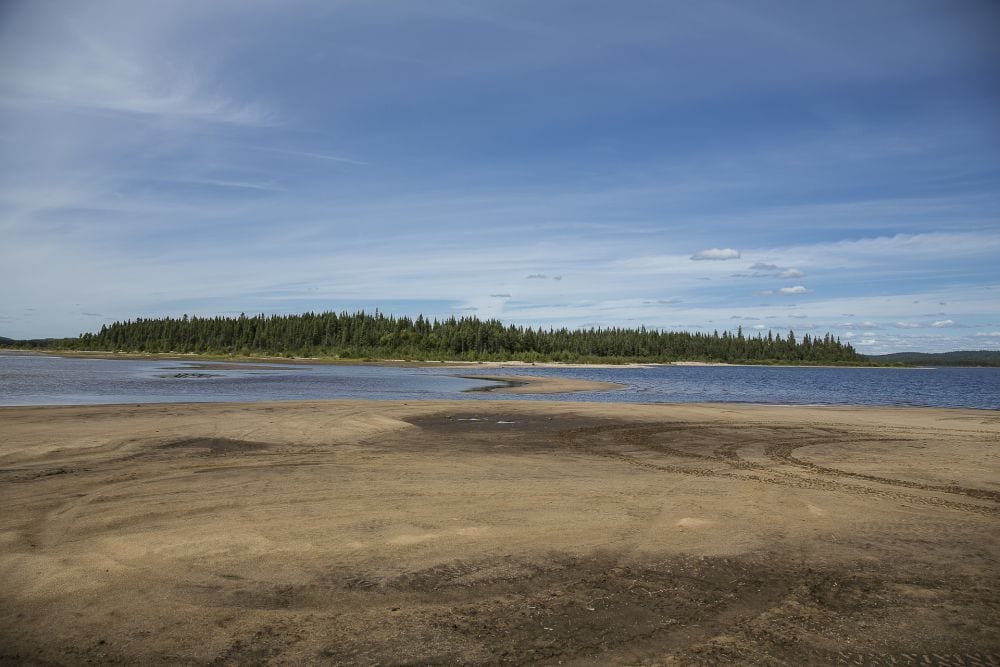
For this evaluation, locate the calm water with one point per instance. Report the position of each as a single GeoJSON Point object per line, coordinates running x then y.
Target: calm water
{"type": "Point", "coordinates": [931, 387]}
{"type": "Point", "coordinates": [38, 380]}
{"type": "Point", "coordinates": [41, 380]}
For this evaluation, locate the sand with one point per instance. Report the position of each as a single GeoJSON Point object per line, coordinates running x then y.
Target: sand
{"type": "Point", "coordinates": [461, 532]}
{"type": "Point", "coordinates": [536, 384]}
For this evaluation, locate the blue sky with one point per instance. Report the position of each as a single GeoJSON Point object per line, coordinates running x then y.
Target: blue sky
{"type": "Point", "coordinates": [696, 166]}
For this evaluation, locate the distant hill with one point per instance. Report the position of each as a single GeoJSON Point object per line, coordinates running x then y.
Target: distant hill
{"type": "Point", "coordinates": [33, 342]}
{"type": "Point", "coordinates": [963, 358]}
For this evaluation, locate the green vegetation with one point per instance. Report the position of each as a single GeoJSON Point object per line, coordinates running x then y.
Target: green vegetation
{"type": "Point", "coordinates": [964, 358]}
{"type": "Point", "coordinates": [365, 336]}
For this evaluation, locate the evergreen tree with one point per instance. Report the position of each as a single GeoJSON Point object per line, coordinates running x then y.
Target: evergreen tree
{"type": "Point", "coordinates": [363, 335]}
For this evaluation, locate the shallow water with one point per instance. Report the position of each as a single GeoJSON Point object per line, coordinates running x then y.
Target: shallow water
{"type": "Point", "coordinates": [780, 385]}
{"type": "Point", "coordinates": [43, 380]}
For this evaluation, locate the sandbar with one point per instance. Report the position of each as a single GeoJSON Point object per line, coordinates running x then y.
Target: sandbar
{"type": "Point", "coordinates": [537, 384]}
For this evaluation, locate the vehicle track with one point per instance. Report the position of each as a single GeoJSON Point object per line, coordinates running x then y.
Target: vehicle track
{"type": "Point", "coordinates": [783, 453]}
{"type": "Point", "coordinates": [605, 440]}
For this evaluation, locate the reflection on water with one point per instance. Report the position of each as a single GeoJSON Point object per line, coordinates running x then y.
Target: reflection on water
{"type": "Point", "coordinates": [41, 380]}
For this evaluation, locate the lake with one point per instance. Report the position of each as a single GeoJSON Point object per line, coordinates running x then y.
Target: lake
{"type": "Point", "coordinates": [44, 380]}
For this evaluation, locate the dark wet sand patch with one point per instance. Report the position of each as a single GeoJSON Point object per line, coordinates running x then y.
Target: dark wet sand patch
{"type": "Point", "coordinates": [216, 446]}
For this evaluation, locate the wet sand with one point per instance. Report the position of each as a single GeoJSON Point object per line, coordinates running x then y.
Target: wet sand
{"type": "Point", "coordinates": [352, 532]}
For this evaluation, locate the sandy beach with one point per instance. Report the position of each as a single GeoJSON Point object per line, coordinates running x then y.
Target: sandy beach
{"type": "Point", "coordinates": [351, 532]}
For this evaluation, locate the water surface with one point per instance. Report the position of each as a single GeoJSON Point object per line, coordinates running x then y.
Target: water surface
{"type": "Point", "coordinates": [43, 380]}
{"type": "Point", "coordinates": [783, 385]}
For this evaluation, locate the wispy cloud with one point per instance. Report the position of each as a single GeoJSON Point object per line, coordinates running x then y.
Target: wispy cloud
{"type": "Point", "coordinates": [219, 183]}
{"type": "Point", "coordinates": [941, 324]}
{"type": "Point", "coordinates": [311, 155]}
{"type": "Point", "coordinates": [766, 270]}
{"type": "Point", "coordinates": [88, 64]}
{"type": "Point", "coordinates": [785, 291]}
{"type": "Point", "coordinates": [716, 254]}
{"type": "Point", "coordinates": [760, 270]}
{"type": "Point", "coordinates": [388, 166]}
{"type": "Point", "coordinates": [763, 267]}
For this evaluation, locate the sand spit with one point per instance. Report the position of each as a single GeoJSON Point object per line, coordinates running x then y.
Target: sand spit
{"type": "Point", "coordinates": [352, 532]}
{"type": "Point", "coordinates": [536, 384]}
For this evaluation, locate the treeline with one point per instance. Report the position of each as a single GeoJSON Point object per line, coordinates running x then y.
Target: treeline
{"type": "Point", "coordinates": [958, 358]}
{"type": "Point", "coordinates": [377, 336]}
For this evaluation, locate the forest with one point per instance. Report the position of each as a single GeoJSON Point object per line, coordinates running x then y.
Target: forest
{"type": "Point", "coordinates": [362, 335]}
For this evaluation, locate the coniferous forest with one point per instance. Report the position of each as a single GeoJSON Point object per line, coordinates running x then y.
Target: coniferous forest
{"type": "Point", "coordinates": [362, 335]}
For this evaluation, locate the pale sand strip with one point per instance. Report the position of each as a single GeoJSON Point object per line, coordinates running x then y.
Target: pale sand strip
{"type": "Point", "coordinates": [535, 384]}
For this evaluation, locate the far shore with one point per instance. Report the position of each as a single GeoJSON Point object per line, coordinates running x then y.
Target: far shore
{"type": "Point", "coordinates": [410, 363]}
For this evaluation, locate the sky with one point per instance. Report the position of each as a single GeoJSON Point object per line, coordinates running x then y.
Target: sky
{"type": "Point", "coordinates": [815, 166]}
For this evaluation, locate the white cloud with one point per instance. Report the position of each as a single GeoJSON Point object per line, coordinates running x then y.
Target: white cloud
{"type": "Point", "coordinates": [791, 273]}
{"type": "Point", "coordinates": [940, 324]}
{"type": "Point", "coordinates": [716, 254]}
{"type": "Point", "coordinates": [906, 325]}
{"type": "Point", "coordinates": [991, 334]}
{"type": "Point", "coordinates": [798, 289]}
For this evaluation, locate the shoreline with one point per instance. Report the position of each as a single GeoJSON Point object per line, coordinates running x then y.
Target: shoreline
{"type": "Point", "coordinates": [412, 363]}
{"type": "Point", "coordinates": [463, 404]}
